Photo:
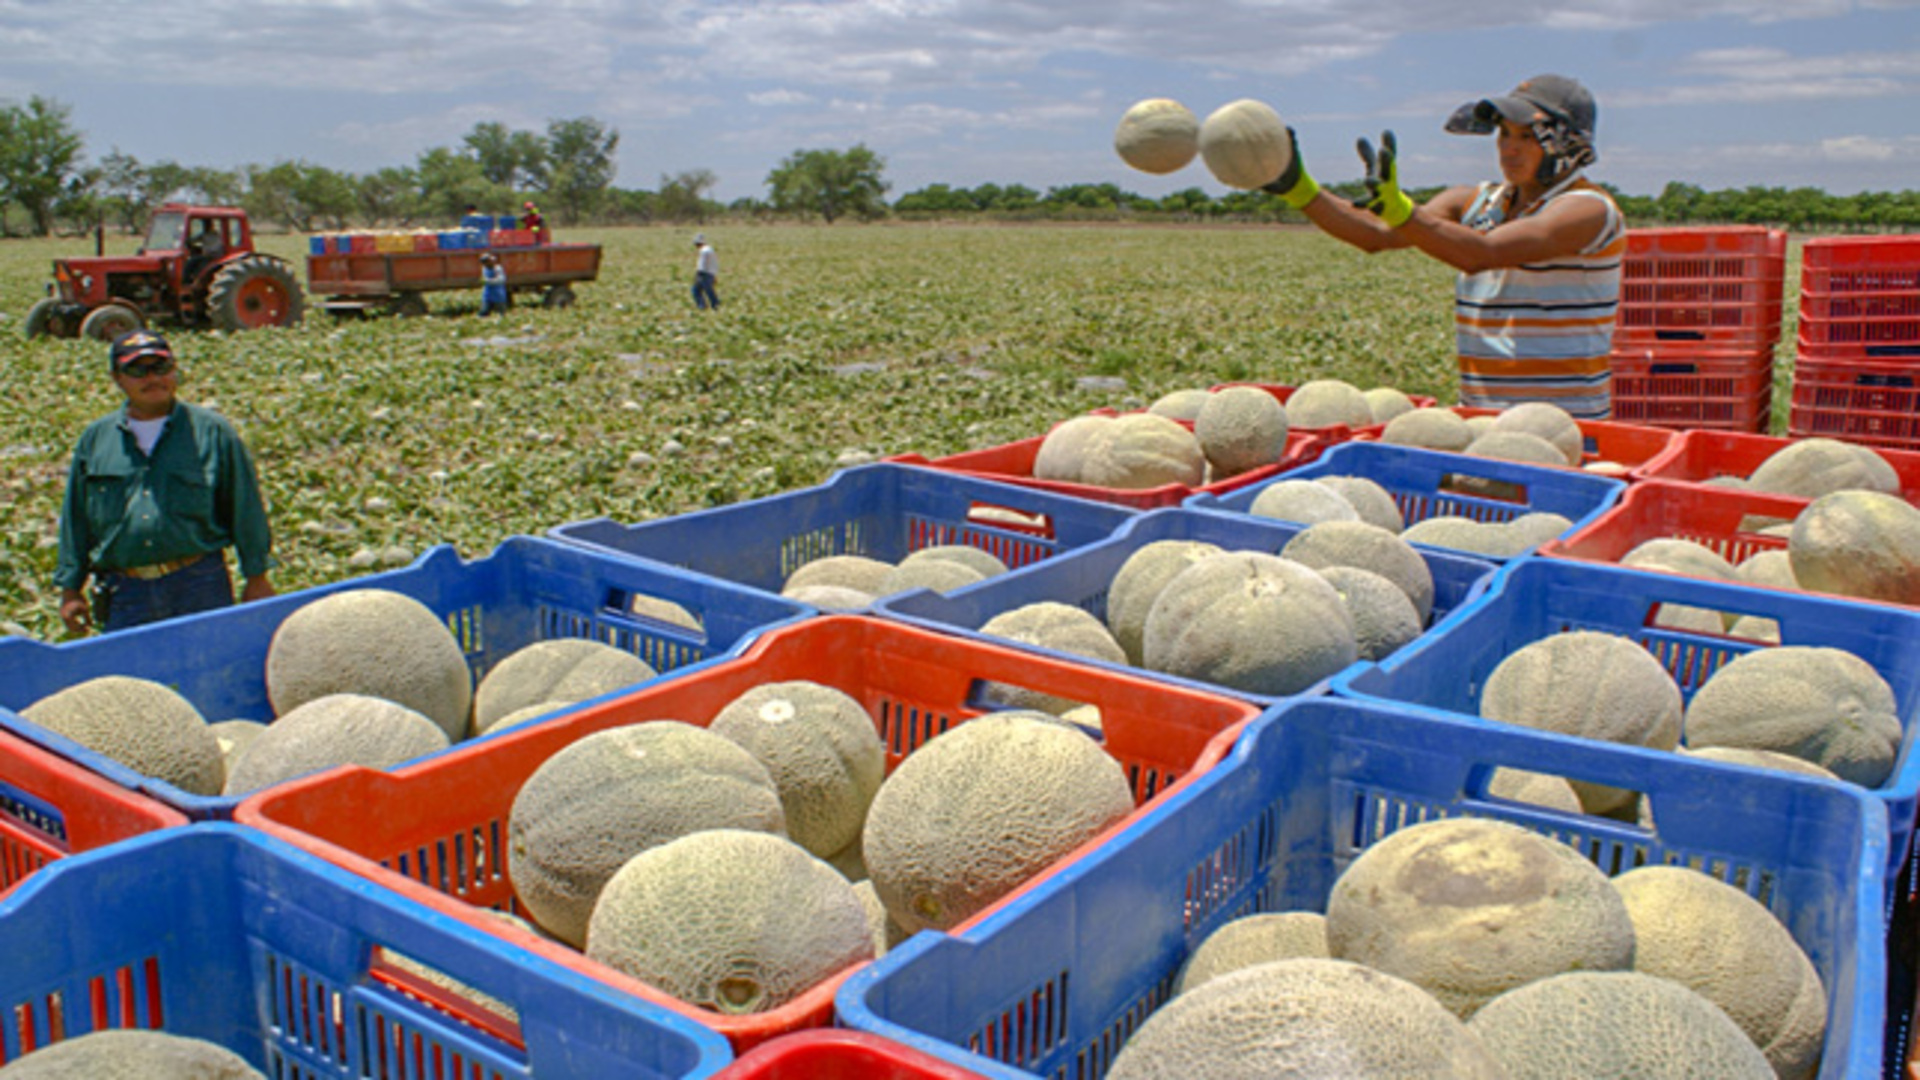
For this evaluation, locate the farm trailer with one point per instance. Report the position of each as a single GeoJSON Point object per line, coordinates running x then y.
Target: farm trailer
{"type": "Point", "coordinates": [354, 282]}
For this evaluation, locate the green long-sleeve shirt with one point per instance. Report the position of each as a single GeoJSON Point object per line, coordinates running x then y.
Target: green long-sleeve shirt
{"type": "Point", "coordinates": [195, 494]}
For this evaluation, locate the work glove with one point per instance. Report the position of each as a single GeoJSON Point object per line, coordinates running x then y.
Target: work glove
{"type": "Point", "coordinates": [1384, 196]}
{"type": "Point", "coordinates": [1294, 185]}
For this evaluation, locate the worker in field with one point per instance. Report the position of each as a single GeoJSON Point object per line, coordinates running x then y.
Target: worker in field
{"type": "Point", "coordinates": [1538, 251]}
{"type": "Point", "coordinates": [706, 271]}
{"type": "Point", "coordinates": [157, 491]}
{"type": "Point", "coordinates": [493, 285]}
{"type": "Point", "coordinates": [530, 219]}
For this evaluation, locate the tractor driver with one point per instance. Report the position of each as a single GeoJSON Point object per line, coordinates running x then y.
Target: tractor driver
{"type": "Point", "coordinates": [204, 247]}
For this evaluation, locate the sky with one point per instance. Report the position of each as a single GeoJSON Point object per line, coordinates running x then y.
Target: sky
{"type": "Point", "coordinates": [1785, 93]}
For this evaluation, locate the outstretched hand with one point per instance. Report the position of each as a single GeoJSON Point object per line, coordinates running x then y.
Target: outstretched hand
{"type": "Point", "coordinates": [1384, 197]}
{"type": "Point", "coordinates": [1294, 184]}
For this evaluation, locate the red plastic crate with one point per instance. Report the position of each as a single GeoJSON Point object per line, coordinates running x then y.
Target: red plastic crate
{"type": "Point", "coordinates": [833, 1054]}
{"type": "Point", "coordinates": [1699, 456]}
{"type": "Point", "coordinates": [1874, 402]}
{"type": "Point", "coordinates": [1719, 286]}
{"type": "Point", "coordinates": [1834, 265]}
{"type": "Point", "coordinates": [435, 830]}
{"type": "Point", "coordinates": [1702, 253]}
{"type": "Point", "coordinates": [1694, 388]}
{"type": "Point", "coordinates": [1012, 463]}
{"type": "Point", "coordinates": [51, 808]}
{"type": "Point", "coordinates": [1608, 440]}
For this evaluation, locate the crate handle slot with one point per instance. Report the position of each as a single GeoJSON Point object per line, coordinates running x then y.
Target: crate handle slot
{"type": "Point", "coordinates": [1897, 381]}
{"type": "Point", "coordinates": [443, 993]}
{"type": "Point", "coordinates": [1673, 369]}
{"type": "Point", "coordinates": [1679, 335]}
{"type": "Point", "coordinates": [656, 612]}
{"type": "Point", "coordinates": [1481, 487]}
{"type": "Point", "coordinates": [990, 696]}
{"type": "Point", "coordinates": [1010, 519]}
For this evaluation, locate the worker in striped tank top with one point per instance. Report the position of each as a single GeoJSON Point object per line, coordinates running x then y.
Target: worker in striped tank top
{"type": "Point", "coordinates": [1538, 252]}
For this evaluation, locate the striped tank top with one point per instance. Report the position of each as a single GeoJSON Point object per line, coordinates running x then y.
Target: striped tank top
{"type": "Point", "coordinates": [1540, 331]}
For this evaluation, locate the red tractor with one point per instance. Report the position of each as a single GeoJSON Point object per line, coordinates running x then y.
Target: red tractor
{"type": "Point", "coordinates": [198, 266]}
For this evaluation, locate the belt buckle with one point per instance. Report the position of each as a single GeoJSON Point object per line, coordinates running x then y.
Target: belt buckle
{"type": "Point", "coordinates": [156, 571]}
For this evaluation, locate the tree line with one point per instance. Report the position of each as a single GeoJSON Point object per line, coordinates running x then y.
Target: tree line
{"type": "Point", "coordinates": [48, 185]}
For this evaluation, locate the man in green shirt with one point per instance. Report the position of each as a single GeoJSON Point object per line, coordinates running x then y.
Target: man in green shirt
{"type": "Point", "coordinates": [158, 489]}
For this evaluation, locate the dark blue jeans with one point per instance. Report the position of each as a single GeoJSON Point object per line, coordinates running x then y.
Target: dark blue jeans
{"type": "Point", "coordinates": [132, 602]}
{"type": "Point", "coordinates": [703, 295]}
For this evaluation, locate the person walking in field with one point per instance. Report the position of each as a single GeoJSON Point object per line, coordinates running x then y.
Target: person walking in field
{"type": "Point", "coordinates": [156, 492]}
{"type": "Point", "coordinates": [493, 285]}
{"type": "Point", "coordinates": [1538, 252]}
{"type": "Point", "coordinates": [706, 270]}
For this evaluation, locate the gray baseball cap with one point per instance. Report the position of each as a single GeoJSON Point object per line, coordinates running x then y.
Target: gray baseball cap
{"type": "Point", "coordinates": [1539, 98]}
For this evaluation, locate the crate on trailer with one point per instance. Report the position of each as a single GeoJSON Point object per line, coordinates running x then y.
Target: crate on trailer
{"type": "Point", "coordinates": [1875, 402]}
{"type": "Point", "coordinates": [1080, 578]}
{"type": "Point", "coordinates": [217, 932]}
{"type": "Point", "coordinates": [529, 589]}
{"type": "Point", "coordinates": [435, 830]}
{"type": "Point", "coordinates": [836, 1054]}
{"type": "Point", "coordinates": [1722, 389]}
{"type": "Point", "coordinates": [1431, 483]}
{"type": "Point", "coordinates": [1054, 984]}
{"type": "Point", "coordinates": [1697, 457]}
{"type": "Point", "coordinates": [1449, 667]}
{"type": "Point", "coordinates": [882, 511]}
{"type": "Point", "coordinates": [51, 808]}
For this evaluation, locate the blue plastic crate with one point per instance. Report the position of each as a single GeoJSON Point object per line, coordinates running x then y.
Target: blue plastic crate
{"type": "Point", "coordinates": [882, 511]}
{"type": "Point", "coordinates": [529, 589]}
{"type": "Point", "coordinates": [481, 223]}
{"type": "Point", "coordinates": [1081, 577]}
{"type": "Point", "coordinates": [318, 245]}
{"type": "Point", "coordinates": [1054, 983]}
{"type": "Point", "coordinates": [1427, 484]}
{"type": "Point", "coordinates": [1535, 598]}
{"type": "Point", "coordinates": [222, 933]}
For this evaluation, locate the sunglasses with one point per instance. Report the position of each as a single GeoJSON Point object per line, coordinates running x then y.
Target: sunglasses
{"type": "Point", "coordinates": [140, 369]}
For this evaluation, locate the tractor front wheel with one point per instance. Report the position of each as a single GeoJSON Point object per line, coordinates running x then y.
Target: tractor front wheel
{"type": "Point", "coordinates": [254, 291]}
{"type": "Point", "coordinates": [109, 321]}
{"type": "Point", "coordinates": [41, 319]}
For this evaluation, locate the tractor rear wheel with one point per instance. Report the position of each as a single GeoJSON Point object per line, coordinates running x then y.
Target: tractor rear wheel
{"type": "Point", "coordinates": [254, 291]}
{"type": "Point", "coordinates": [109, 321]}
{"type": "Point", "coordinates": [558, 296]}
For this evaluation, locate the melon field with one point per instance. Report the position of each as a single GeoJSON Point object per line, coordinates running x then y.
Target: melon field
{"type": "Point", "coordinates": [379, 438]}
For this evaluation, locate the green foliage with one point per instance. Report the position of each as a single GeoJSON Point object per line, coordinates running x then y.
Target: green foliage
{"type": "Point", "coordinates": [831, 184]}
{"type": "Point", "coordinates": [40, 154]}
{"type": "Point", "coordinates": [580, 166]}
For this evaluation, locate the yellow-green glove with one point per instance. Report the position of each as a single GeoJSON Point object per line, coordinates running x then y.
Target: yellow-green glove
{"type": "Point", "coordinates": [1294, 185]}
{"type": "Point", "coordinates": [1384, 196]}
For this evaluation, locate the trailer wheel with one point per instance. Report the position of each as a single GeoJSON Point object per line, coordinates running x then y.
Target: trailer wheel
{"type": "Point", "coordinates": [109, 321]}
{"type": "Point", "coordinates": [254, 291]}
{"type": "Point", "coordinates": [408, 305]}
{"type": "Point", "coordinates": [558, 296]}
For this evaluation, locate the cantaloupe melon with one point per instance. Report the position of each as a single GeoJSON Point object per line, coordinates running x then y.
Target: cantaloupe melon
{"type": "Point", "coordinates": [1245, 145]}
{"type": "Point", "coordinates": [940, 575]}
{"type": "Point", "coordinates": [524, 714]}
{"type": "Point", "coordinates": [1529, 531]}
{"type": "Point", "coordinates": [1772, 568]}
{"type": "Point", "coordinates": [1249, 621]}
{"type": "Point", "coordinates": [139, 723]}
{"type": "Point", "coordinates": [1050, 625]}
{"type": "Point", "coordinates": [830, 597]}
{"type": "Point", "coordinates": [1304, 501]}
{"type": "Point", "coordinates": [1032, 790]}
{"type": "Point", "coordinates": [660, 609]}
{"type": "Point", "coordinates": [1241, 428]}
{"type": "Point", "coordinates": [1810, 468]}
{"type": "Point", "coordinates": [1383, 617]}
{"type": "Point", "coordinates": [1373, 502]}
{"type": "Point", "coordinates": [1550, 422]}
{"type": "Point", "coordinates": [1138, 584]}
{"type": "Point", "coordinates": [1368, 547]}
{"type": "Point", "coordinates": [822, 751]}
{"type": "Point", "coordinates": [1469, 908]}
{"type": "Point", "coordinates": [1592, 685]}
{"type": "Point", "coordinates": [1858, 543]}
{"type": "Point", "coordinates": [1429, 428]}
{"type": "Point", "coordinates": [1521, 446]}
{"type": "Point", "coordinates": [1614, 1025]}
{"type": "Point", "coordinates": [1141, 450]}
{"type": "Point", "coordinates": [557, 669]}
{"type": "Point", "coordinates": [1304, 1019]}
{"type": "Point", "coordinates": [731, 920]}
{"type": "Point", "coordinates": [1063, 451]}
{"type": "Point", "coordinates": [1537, 789]}
{"type": "Point", "coordinates": [857, 572]}
{"type": "Point", "coordinates": [1824, 705]}
{"type": "Point", "coordinates": [1727, 947]}
{"type": "Point", "coordinates": [374, 642]}
{"type": "Point", "coordinates": [1459, 533]}
{"type": "Point", "coordinates": [131, 1054]}
{"type": "Point", "coordinates": [233, 737]}
{"type": "Point", "coordinates": [1158, 135]}
{"type": "Point", "coordinates": [1386, 402]}
{"type": "Point", "coordinates": [985, 562]}
{"type": "Point", "coordinates": [1254, 939]}
{"type": "Point", "coordinates": [1181, 404]}
{"type": "Point", "coordinates": [1675, 555]}
{"type": "Point", "coordinates": [603, 799]}
{"type": "Point", "coordinates": [339, 729]}
{"type": "Point", "coordinates": [1320, 403]}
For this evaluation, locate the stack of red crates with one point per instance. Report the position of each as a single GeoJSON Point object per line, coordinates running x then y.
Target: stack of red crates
{"type": "Point", "coordinates": [1698, 320]}
{"type": "Point", "coordinates": [1857, 373]}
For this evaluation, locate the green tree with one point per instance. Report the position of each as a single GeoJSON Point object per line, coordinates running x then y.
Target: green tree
{"type": "Point", "coordinates": [511, 159]}
{"type": "Point", "coordinates": [447, 183]}
{"type": "Point", "coordinates": [683, 197]}
{"type": "Point", "coordinates": [300, 195]}
{"type": "Point", "coordinates": [391, 194]}
{"type": "Point", "coordinates": [830, 183]}
{"type": "Point", "coordinates": [581, 165]}
{"type": "Point", "coordinates": [40, 153]}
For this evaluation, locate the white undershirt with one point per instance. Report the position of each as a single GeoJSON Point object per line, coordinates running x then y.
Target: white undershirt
{"type": "Point", "coordinates": [147, 432]}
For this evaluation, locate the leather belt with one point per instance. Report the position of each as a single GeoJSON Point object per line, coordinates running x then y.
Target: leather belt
{"type": "Point", "coordinates": [155, 571]}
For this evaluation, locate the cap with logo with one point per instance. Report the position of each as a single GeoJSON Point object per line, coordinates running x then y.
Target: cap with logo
{"type": "Point", "coordinates": [135, 344]}
{"type": "Point", "coordinates": [1558, 109]}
